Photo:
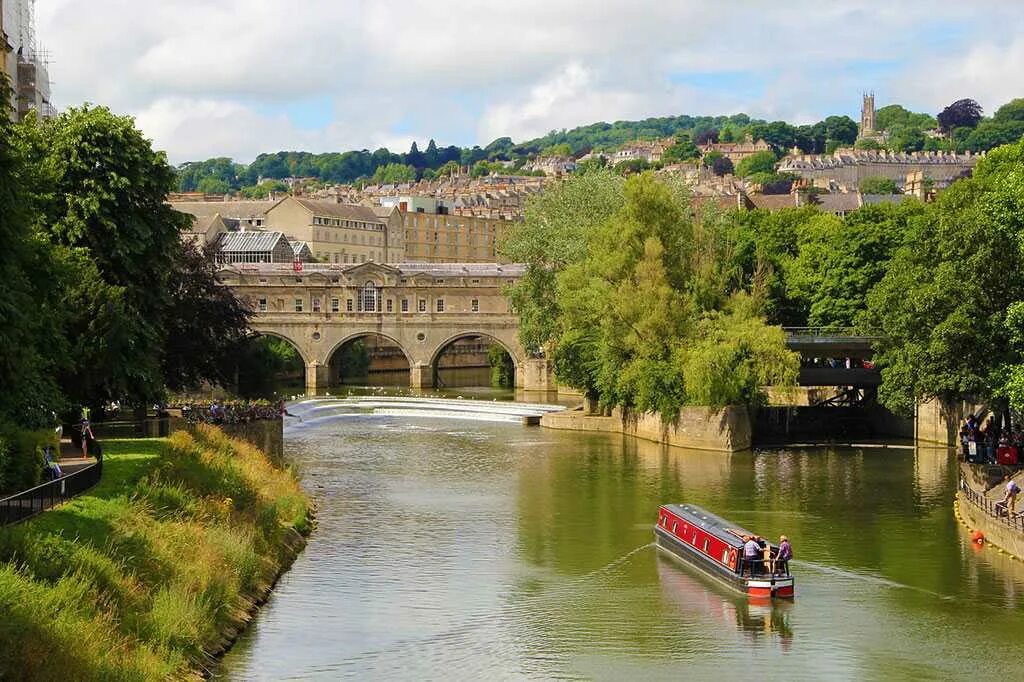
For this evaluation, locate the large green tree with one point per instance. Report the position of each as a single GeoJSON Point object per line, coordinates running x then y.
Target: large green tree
{"type": "Point", "coordinates": [839, 260]}
{"type": "Point", "coordinates": [944, 308]}
{"type": "Point", "coordinates": [553, 235]}
{"type": "Point", "coordinates": [654, 284]}
{"type": "Point", "coordinates": [761, 162]}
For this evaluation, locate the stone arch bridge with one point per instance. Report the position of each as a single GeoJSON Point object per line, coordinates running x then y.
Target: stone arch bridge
{"type": "Point", "coordinates": [422, 308]}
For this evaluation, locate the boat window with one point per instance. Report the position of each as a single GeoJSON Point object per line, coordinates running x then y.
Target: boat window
{"type": "Point", "coordinates": [725, 556]}
{"type": "Point", "coordinates": [705, 545]}
{"type": "Point", "coordinates": [674, 526]}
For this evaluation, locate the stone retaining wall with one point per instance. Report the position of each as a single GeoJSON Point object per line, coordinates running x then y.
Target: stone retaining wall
{"type": "Point", "coordinates": [1003, 537]}
{"type": "Point", "coordinates": [698, 428]}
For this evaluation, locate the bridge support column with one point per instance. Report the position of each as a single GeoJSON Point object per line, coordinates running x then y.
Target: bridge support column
{"type": "Point", "coordinates": [421, 375]}
{"type": "Point", "coordinates": [317, 377]}
{"type": "Point", "coordinates": [536, 374]}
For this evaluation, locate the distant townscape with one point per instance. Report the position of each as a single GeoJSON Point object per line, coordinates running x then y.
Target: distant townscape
{"type": "Point", "coordinates": [452, 205]}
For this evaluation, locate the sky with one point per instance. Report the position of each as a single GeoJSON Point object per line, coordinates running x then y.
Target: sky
{"type": "Point", "coordinates": [235, 78]}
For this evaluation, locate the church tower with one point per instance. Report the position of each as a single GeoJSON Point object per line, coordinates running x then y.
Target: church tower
{"type": "Point", "coordinates": [867, 116]}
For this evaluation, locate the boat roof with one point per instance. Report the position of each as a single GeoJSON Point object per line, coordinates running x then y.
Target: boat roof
{"type": "Point", "coordinates": [712, 523]}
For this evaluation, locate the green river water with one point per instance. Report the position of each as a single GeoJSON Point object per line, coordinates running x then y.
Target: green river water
{"type": "Point", "coordinates": [451, 549]}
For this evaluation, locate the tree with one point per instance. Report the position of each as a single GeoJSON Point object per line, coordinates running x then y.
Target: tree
{"type": "Point", "coordinates": [205, 323]}
{"type": "Point", "coordinates": [906, 138]}
{"type": "Point", "coordinates": [944, 310]}
{"type": "Point", "coordinates": [394, 174]}
{"type": "Point", "coordinates": [415, 157]}
{"type": "Point", "coordinates": [102, 191]}
{"type": "Point", "coordinates": [839, 260]}
{"type": "Point", "coordinates": [718, 163]}
{"type": "Point", "coordinates": [681, 150]}
{"type": "Point", "coordinates": [562, 149]}
{"type": "Point", "coordinates": [761, 162]}
{"type": "Point", "coordinates": [553, 235]}
{"type": "Point", "coordinates": [895, 115]}
{"type": "Point", "coordinates": [210, 185]}
{"type": "Point", "coordinates": [877, 185]}
{"type": "Point", "coordinates": [31, 348]}
{"type": "Point", "coordinates": [993, 133]}
{"type": "Point", "coordinates": [649, 318]}
{"type": "Point", "coordinates": [841, 129]}
{"type": "Point", "coordinates": [965, 113]}
{"type": "Point", "coordinates": [264, 189]}
{"type": "Point", "coordinates": [709, 136]}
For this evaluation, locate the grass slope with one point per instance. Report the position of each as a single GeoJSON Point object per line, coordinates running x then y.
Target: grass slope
{"type": "Point", "coordinates": [151, 572]}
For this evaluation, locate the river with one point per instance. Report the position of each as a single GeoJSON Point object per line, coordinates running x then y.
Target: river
{"type": "Point", "coordinates": [464, 549]}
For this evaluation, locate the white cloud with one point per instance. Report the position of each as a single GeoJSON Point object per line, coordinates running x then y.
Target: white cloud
{"type": "Point", "coordinates": [232, 77]}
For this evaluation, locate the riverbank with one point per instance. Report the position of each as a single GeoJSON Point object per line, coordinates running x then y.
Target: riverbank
{"type": "Point", "coordinates": [697, 428]}
{"type": "Point", "coordinates": [154, 572]}
{"type": "Point", "coordinates": [972, 509]}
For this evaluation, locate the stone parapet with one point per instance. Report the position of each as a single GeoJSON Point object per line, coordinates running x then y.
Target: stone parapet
{"type": "Point", "coordinates": [698, 428]}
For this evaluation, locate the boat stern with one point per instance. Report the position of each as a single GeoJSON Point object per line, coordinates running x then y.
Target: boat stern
{"type": "Point", "coordinates": [771, 587]}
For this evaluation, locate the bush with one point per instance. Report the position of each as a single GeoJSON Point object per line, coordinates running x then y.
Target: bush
{"type": "Point", "coordinates": [21, 457]}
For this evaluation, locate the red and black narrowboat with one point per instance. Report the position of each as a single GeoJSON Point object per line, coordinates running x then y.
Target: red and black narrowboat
{"type": "Point", "coordinates": [715, 546]}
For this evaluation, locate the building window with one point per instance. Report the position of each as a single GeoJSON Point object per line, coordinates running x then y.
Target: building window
{"type": "Point", "coordinates": [422, 305]}
{"type": "Point", "coordinates": [440, 305]}
{"type": "Point", "coordinates": [391, 305]}
{"type": "Point", "coordinates": [335, 305]}
{"type": "Point", "coordinates": [474, 305]}
{"type": "Point", "coordinates": [263, 305]}
{"type": "Point", "coordinates": [298, 305]}
{"type": "Point", "coordinates": [348, 305]}
{"type": "Point", "coordinates": [368, 298]}
{"type": "Point", "coordinates": [405, 305]}
{"type": "Point", "coordinates": [316, 304]}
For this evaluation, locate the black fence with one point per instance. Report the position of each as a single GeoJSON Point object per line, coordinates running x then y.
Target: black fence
{"type": "Point", "coordinates": [997, 510]}
{"type": "Point", "coordinates": [23, 505]}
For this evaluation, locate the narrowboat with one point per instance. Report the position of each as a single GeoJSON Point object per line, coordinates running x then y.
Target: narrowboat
{"type": "Point", "coordinates": [715, 546]}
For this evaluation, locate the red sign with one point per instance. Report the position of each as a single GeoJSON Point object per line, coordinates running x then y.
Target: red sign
{"type": "Point", "coordinates": [297, 265]}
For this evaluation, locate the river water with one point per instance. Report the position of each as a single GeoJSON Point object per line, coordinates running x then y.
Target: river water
{"type": "Point", "coordinates": [464, 549]}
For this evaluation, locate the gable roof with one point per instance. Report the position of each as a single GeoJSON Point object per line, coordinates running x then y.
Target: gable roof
{"type": "Point", "coordinates": [335, 210]}
{"type": "Point", "coordinates": [239, 210]}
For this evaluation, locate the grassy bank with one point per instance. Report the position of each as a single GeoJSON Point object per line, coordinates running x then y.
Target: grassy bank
{"type": "Point", "coordinates": [151, 573]}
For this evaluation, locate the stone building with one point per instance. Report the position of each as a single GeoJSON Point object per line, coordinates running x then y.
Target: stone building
{"type": "Point", "coordinates": [847, 167]}
{"type": "Point", "coordinates": [339, 233]}
{"type": "Point", "coordinates": [736, 151]}
{"type": "Point", "coordinates": [447, 238]}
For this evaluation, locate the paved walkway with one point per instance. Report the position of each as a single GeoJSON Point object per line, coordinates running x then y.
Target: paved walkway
{"type": "Point", "coordinates": [71, 459]}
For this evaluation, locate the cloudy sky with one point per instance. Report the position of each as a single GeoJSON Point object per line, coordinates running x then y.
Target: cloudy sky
{"type": "Point", "coordinates": [238, 77]}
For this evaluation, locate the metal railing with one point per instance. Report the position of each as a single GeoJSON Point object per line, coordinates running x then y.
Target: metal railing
{"type": "Point", "coordinates": [28, 503]}
{"type": "Point", "coordinates": [997, 510]}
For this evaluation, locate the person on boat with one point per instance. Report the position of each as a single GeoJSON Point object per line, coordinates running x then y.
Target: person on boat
{"type": "Point", "coordinates": [766, 556]}
{"type": "Point", "coordinates": [784, 555]}
{"type": "Point", "coordinates": [751, 552]}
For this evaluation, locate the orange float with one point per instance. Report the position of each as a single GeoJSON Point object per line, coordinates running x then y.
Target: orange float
{"type": "Point", "coordinates": [978, 537]}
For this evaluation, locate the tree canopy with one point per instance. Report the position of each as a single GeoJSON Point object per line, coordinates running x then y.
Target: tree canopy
{"type": "Point", "coordinates": [963, 113]}
{"type": "Point", "coordinates": [761, 162]}
{"type": "Point", "coordinates": [948, 308]}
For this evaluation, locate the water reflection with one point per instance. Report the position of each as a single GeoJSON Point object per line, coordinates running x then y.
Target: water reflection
{"type": "Point", "coordinates": [690, 590]}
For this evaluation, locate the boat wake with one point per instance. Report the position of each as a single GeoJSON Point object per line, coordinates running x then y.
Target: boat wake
{"type": "Point", "coordinates": [869, 578]}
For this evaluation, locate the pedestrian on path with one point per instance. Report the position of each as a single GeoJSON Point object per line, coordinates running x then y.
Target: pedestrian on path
{"type": "Point", "coordinates": [1010, 499]}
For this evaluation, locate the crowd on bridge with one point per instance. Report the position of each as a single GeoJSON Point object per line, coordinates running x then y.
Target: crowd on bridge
{"type": "Point", "coordinates": [230, 411]}
{"type": "Point", "coordinates": [984, 441]}
{"type": "Point", "coordinates": [837, 363]}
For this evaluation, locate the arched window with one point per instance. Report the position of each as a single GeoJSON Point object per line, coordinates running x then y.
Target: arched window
{"type": "Point", "coordinates": [368, 298]}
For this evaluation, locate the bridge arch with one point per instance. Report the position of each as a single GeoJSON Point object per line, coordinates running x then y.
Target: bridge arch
{"type": "Point", "coordinates": [510, 346]}
{"type": "Point", "coordinates": [368, 356]}
{"type": "Point", "coordinates": [284, 337]}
